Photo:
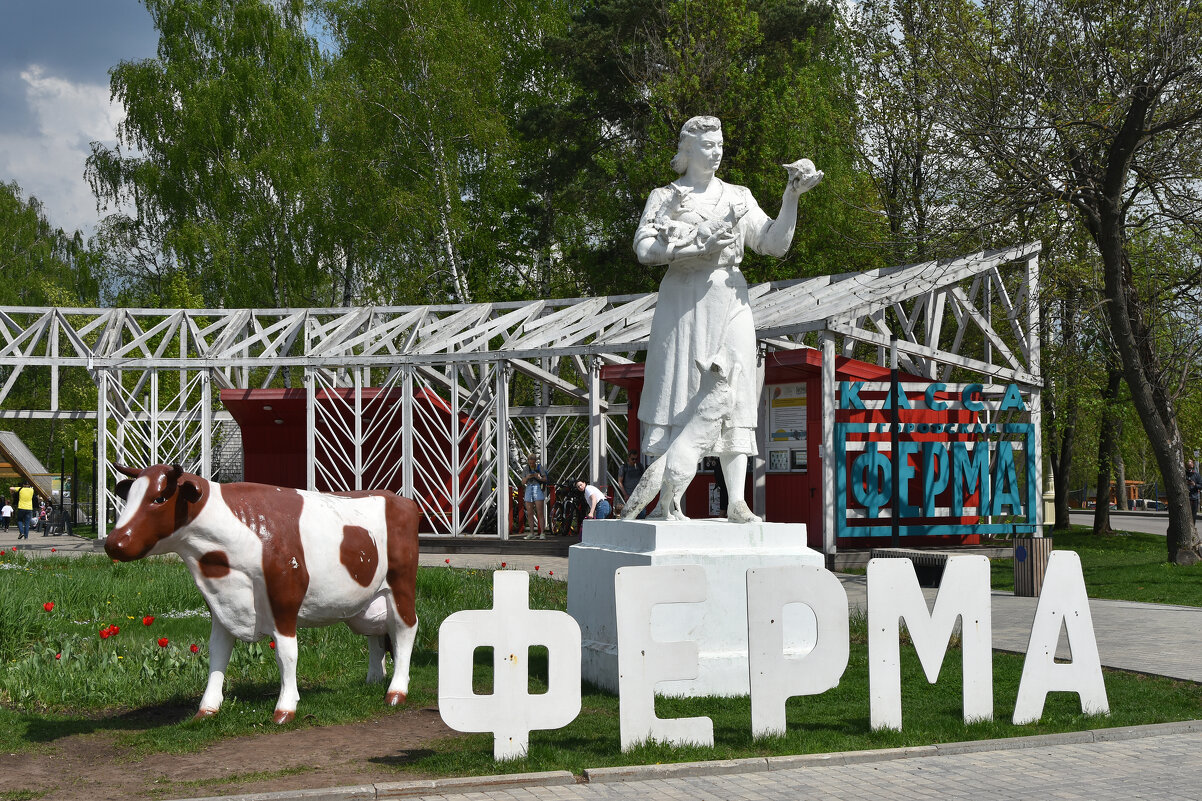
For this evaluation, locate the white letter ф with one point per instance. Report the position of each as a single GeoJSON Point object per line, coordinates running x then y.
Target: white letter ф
{"type": "Point", "coordinates": [510, 628]}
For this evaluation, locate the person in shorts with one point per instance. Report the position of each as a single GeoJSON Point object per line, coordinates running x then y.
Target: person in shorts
{"type": "Point", "coordinates": [535, 497]}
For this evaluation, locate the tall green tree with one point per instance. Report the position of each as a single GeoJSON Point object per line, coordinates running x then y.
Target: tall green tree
{"type": "Point", "coordinates": [220, 154]}
{"type": "Point", "coordinates": [420, 115]}
{"type": "Point", "coordinates": [774, 71]}
{"type": "Point", "coordinates": [41, 265]}
{"type": "Point", "coordinates": [1097, 108]}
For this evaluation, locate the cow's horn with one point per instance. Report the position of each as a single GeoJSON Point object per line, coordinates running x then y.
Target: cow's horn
{"type": "Point", "coordinates": [174, 473]}
{"type": "Point", "coordinates": [126, 471]}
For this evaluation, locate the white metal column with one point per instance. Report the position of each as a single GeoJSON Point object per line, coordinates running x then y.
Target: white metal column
{"type": "Point", "coordinates": [102, 455]}
{"type": "Point", "coordinates": [358, 427]}
{"type": "Point", "coordinates": [596, 424]}
{"type": "Point", "coordinates": [1033, 368]}
{"type": "Point", "coordinates": [310, 431]}
{"type": "Point", "coordinates": [502, 469]}
{"type": "Point", "coordinates": [828, 446]}
{"type": "Point", "coordinates": [407, 431]}
{"type": "Point", "coordinates": [206, 425]}
{"type": "Point", "coordinates": [456, 441]}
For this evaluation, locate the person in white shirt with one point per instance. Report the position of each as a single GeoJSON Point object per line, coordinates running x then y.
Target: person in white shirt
{"type": "Point", "coordinates": [598, 506]}
{"type": "Point", "coordinates": [7, 514]}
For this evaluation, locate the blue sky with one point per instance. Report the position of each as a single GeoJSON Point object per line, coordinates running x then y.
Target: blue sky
{"type": "Point", "coordinates": [54, 94]}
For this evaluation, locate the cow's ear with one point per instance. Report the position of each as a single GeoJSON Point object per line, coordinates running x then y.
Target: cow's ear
{"type": "Point", "coordinates": [174, 473]}
{"type": "Point", "coordinates": [189, 491]}
{"type": "Point", "coordinates": [123, 488]}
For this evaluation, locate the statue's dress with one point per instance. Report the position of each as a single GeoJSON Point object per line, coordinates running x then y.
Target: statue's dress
{"type": "Point", "coordinates": [703, 310]}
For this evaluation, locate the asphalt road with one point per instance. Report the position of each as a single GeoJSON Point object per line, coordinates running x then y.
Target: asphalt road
{"type": "Point", "coordinates": [1147, 523]}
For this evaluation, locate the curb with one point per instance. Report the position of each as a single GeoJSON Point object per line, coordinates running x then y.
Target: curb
{"type": "Point", "coordinates": [717, 767]}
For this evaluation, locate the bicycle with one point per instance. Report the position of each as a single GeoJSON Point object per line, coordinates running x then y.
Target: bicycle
{"type": "Point", "coordinates": [568, 510]}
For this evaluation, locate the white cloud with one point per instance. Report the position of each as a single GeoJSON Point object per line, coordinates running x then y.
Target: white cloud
{"type": "Point", "coordinates": [49, 163]}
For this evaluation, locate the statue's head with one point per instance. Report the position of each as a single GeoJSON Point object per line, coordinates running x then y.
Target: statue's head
{"type": "Point", "coordinates": [693, 128]}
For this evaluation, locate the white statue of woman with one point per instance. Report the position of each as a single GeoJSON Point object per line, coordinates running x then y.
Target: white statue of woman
{"type": "Point", "coordinates": [698, 226]}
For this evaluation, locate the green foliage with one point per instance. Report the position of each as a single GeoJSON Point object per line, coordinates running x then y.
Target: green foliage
{"type": "Point", "coordinates": [228, 175]}
{"type": "Point", "coordinates": [774, 72]}
{"type": "Point", "coordinates": [40, 265]}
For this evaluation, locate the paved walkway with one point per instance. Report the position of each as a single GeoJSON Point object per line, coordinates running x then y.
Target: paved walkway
{"type": "Point", "coordinates": [1162, 762]}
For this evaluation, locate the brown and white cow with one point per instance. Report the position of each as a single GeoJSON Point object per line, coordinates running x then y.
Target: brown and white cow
{"type": "Point", "coordinates": [270, 559]}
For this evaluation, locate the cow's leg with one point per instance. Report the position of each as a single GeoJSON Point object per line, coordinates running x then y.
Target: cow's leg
{"type": "Point", "coordinates": [403, 636]}
{"type": "Point", "coordinates": [402, 589]}
{"type": "Point", "coordinates": [285, 657]}
{"type": "Point", "coordinates": [376, 649]}
{"type": "Point", "coordinates": [221, 644]}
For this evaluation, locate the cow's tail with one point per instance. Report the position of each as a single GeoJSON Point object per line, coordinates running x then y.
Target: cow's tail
{"type": "Point", "coordinates": [645, 492]}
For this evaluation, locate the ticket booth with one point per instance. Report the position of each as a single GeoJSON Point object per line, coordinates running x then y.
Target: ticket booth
{"type": "Point", "coordinates": [790, 436]}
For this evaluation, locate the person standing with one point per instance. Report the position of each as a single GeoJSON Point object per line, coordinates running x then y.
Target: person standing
{"type": "Point", "coordinates": [6, 513]}
{"type": "Point", "coordinates": [24, 508]}
{"type": "Point", "coordinates": [1194, 482]}
{"type": "Point", "coordinates": [535, 497]}
{"type": "Point", "coordinates": [598, 506]}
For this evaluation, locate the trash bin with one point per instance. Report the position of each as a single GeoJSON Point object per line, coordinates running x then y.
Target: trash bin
{"type": "Point", "coordinates": [1030, 563]}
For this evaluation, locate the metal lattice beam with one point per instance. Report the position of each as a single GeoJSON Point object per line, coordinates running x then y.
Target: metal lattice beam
{"type": "Point", "coordinates": [940, 313]}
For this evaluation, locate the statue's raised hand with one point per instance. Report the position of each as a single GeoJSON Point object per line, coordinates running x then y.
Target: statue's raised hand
{"type": "Point", "coordinates": [803, 176]}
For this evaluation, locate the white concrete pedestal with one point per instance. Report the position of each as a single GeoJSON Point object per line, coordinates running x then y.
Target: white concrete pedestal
{"type": "Point", "coordinates": [719, 625]}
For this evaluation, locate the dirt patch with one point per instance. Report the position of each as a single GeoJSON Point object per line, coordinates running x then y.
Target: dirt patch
{"type": "Point", "coordinates": [94, 767]}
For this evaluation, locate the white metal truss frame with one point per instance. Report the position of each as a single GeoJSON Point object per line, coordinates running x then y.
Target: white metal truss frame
{"type": "Point", "coordinates": [155, 369]}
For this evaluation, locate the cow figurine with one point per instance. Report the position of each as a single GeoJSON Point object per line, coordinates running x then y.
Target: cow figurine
{"type": "Point", "coordinates": [269, 559]}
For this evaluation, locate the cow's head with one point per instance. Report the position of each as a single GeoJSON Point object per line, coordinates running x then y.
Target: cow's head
{"type": "Point", "coordinates": [158, 501]}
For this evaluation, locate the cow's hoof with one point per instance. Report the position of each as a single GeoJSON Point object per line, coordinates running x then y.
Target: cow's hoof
{"type": "Point", "coordinates": [395, 698]}
{"type": "Point", "coordinates": [282, 716]}
{"type": "Point", "coordinates": [204, 713]}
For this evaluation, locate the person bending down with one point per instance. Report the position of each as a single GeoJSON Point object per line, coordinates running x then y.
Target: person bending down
{"type": "Point", "coordinates": [598, 506]}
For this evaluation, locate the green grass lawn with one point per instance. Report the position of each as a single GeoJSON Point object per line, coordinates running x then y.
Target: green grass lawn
{"type": "Point", "coordinates": [59, 677]}
{"type": "Point", "coordinates": [1126, 567]}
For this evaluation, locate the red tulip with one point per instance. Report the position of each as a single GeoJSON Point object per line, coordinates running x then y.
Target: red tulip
{"type": "Point", "coordinates": [271, 645]}
{"type": "Point", "coordinates": [52, 550]}
{"type": "Point", "coordinates": [502, 564]}
{"type": "Point", "coordinates": [146, 621]}
{"type": "Point", "coordinates": [48, 606]}
{"type": "Point", "coordinates": [550, 572]}
{"type": "Point", "coordinates": [536, 568]}
{"type": "Point", "coordinates": [58, 656]}
{"type": "Point", "coordinates": [448, 561]}
{"type": "Point", "coordinates": [113, 629]}
{"type": "Point", "coordinates": [104, 634]}
{"type": "Point", "coordinates": [15, 548]}
{"type": "Point", "coordinates": [162, 642]}
{"type": "Point", "coordinates": [195, 648]}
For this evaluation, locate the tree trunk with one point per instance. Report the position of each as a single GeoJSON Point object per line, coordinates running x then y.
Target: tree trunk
{"type": "Point", "coordinates": [348, 278]}
{"type": "Point", "coordinates": [1106, 221]}
{"type": "Point", "coordinates": [1064, 416]}
{"type": "Point", "coordinates": [1106, 448]}
{"type": "Point", "coordinates": [1144, 378]}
